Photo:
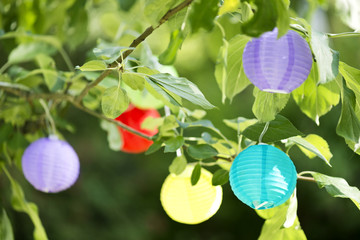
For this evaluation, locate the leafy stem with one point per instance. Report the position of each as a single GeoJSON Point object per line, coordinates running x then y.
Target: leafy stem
{"type": "Point", "coordinates": [132, 47]}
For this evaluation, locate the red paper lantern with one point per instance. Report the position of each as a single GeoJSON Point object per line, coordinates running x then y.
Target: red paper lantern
{"type": "Point", "coordinates": [133, 117]}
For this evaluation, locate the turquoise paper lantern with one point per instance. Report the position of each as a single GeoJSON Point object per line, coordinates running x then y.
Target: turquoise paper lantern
{"type": "Point", "coordinates": [263, 176]}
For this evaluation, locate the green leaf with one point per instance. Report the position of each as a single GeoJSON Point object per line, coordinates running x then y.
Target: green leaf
{"type": "Point", "coordinates": [195, 175]}
{"type": "Point", "coordinates": [337, 187]}
{"type": "Point", "coordinates": [156, 9]}
{"type": "Point", "coordinates": [6, 231]}
{"type": "Point", "coordinates": [93, 65]}
{"type": "Point", "coordinates": [229, 6]}
{"type": "Point", "coordinates": [28, 51]}
{"type": "Point", "coordinates": [208, 138]}
{"type": "Point", "coordinates": [133, 80]}
{"type": "Point", "coordinates": [202, 14]}
{"type": "Point", "coordinates": [20, 204]}
{"type": "Point", "coordinates": [220, 177]}
{"type": "Point", "coordinates": [202, 151]}
{"type": "Point", "coordinates": [143, 99]}
{"type": "Point", "coordinates": [270, 13]}
{"type": "Point", "coordinates": [240, 123]}
{"type": "Point", "coordinates": [229, 71]}
{"type": "Point", "coordinates": [178, 165]}
{"type": "Point", "coordinates": [349, 125]}
{"type": "Point", "coordinates": [280, 128]}
{"type": "Point", "coordinates": [291, 213]}
{"type": "Point", "coordinates": [352, 77]}
{"type": "Point", "coordinates": [169, 124]}
{"type": "Point", "coordinates": [151, 123]}
{"type": "Point", "coordinates": [16, 113]}
{"type": "Point", "coordinates": [182, 87]}
{"type": "Point", "coordinates": [267, 105]}
{"type": "Point", "coordinates": [316, 100]}
{"type": "Point", "coordinates": [114, 102]}
{"type": "Point", "coordinates": [313, 145]}
{"type": "Point", "coordinates": [154, 147]}
{"type": "Point", "coordinates": [113, 135]}
{"type": "Point", "coordinates": [169, 55]}
{"type": "Point", "coordinates": [109, 54]}
{"type": "Point", "coordinates": [327, 60]}
{"type": "Point", "coordinates": [173, 144]}
{"type": "Point", "coordinates": [46, 62]}
{"type": "Point", "coordinates": [273, 227]}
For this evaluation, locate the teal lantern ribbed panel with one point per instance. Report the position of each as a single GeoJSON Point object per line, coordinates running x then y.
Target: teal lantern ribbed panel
{"type": "Point", "coordinates": [263, 176]}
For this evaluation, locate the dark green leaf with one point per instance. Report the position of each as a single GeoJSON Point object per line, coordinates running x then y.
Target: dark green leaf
{"type": "Point", "coordinates": [229, 71]}
{"type": "Point", "coordinates": [280, 128]}
{"type": "Point", "coordinates": [195, 175]}
{"type": "Point", "coordinates": [267, 105]}
{"type": "Point", "coordinates": [183, 88]}
{"type": "Point", "coordinates": [173, 144]}
{"type": "Point", "coordinates": [126, 4]}
{"type": "Point", "coordinates": [327, 60]}
{"type": "Point", "coordinates": [202, 14]}
{"type": "Point", "coordinates": [220, 177]}
{"type": "Point", "coordinates": [337, 187]}
{"type": "Point", "coordinates": [154, 147]}
{"type": "Point", "coordinates": [6, 232]}
{"type": "Point", "coordinates": [114, 102]}
{"type": "Point", "coordinates": [349, 125]}
{"type": "Point", "coordinates": [270, 13]}
{"type": "Point", "coordinates": [113, 135]}
{"type": "Point", "coordinates": [169, 55]}
{"type": "Point", "coordinates": [202, 151]}
{"type": "Point", "coordinates": [178, 165]}
{"type": "Point", "coordinates": [316, 100]}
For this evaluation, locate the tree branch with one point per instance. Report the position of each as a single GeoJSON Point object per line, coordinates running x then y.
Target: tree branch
{"type": "Point", "coordinates": [28, 95]}
{"type": "Point", "coordinates": [133, 45]}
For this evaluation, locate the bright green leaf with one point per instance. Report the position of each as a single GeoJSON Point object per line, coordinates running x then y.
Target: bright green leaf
{"type": "Point", "coordinates": [114, 102]}
{"type": "Point", "coordinates": [267, 105]}
{"type": "Point", "coordinates": [6, 231]}
{"type": "Point", "coordinates": [202, 14]}
{"type": "Point", "coordinates": [327, 60]}
{"type": "Point", "coordinates": [229, 6]}
{"type": "Point", "coordinates": [173, 144]}
{"type": "Point", "coordinates": [16, 113]}
{"type": "Point", "coordinates": [229, 71]}
{"type": "Point", "coordinates": [113, 135]}
{"type": "Point", "coordinates": [316, 100]}
{"type": "Point", "coordinates": [182, 87]}
{"type": "Point", "coordinates": [240, 123]}
{"type": "Point", "coordinates": [337, 187]}
{"type": "Point", "coordinates": [312, 146]}
{"type": "Point", "coordinates": [28, 51]}
{"type": "Point", "coordinates": [195, 175]}
{"type": "Point", "coordinates": [220, 177]}
{"type": "Point", "coordinates": [143, 99]}
{"type": "Point", "coordinates": [133, 80]}
{"type": "Point", "coordinates": [169, 55]}
{"type": "Point", "coordinates": [292, 211]}
{"type": "Point", "coordinates": [178, 165]}
{"type": "Point", "coordinates": [151, 123]}
{"type": "Point", "coordinates": [202, 151]}
{"type": "Point", "coordinates": [280, 128]}
{"type": "Point", "coordinates": [46, 62]}
{"type": "Point", "coordinates": [352, 77]}
{"type": "Point", "coordinates": [93, 65]}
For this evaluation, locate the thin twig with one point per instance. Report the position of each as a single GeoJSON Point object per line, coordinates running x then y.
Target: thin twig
{"type": "Point", "coordinates": [309, 179]}
{"type": "Point", "coordinates": [132, 47]}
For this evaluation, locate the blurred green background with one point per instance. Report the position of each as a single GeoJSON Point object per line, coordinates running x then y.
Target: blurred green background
{"type": "Point", "coordinates": [117, 194]}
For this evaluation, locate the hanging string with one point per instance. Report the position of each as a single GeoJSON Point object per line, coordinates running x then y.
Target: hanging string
{"type": "Point", "coordinates": [263, 132]}
{"type": "Point", "coordinates": [52, 128]}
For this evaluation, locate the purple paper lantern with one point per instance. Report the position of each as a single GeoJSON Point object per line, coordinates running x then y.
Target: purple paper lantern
{"type": "Point", "coordinates": [50, 165]}
{"type": "Point", "coordinates": [277, 65]}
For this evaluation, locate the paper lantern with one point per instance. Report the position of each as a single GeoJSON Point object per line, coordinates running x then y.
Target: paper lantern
{"type": "Point", "coordinates": [50, 165]}
{"type": "Point", "coordinates": [189, 204]}
{"type": "Point", "coordinates": [277, 65]}
{"type": "Point", "coordinates": [133, 117]}
{"type": "Point", "coordinates": [263, 176]}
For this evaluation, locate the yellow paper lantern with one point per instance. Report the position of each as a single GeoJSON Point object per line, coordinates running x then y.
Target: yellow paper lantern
{"type": "Point", "coordinates": [189, 204]}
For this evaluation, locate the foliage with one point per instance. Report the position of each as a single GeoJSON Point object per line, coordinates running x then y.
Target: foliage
{"type": "Point", "coordinates": [119, 64]}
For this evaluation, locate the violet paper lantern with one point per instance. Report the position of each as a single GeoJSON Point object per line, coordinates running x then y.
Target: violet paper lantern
{"type": "Point", "coordinates": [50, 165]}
{"type": "Point", "coordinates": [263, 176]}
{"type": "Point", "coordinates": [277, 65]}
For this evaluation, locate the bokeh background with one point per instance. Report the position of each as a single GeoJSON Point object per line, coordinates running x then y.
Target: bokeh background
{"type": "Point", "coordinates": [117, 194]}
